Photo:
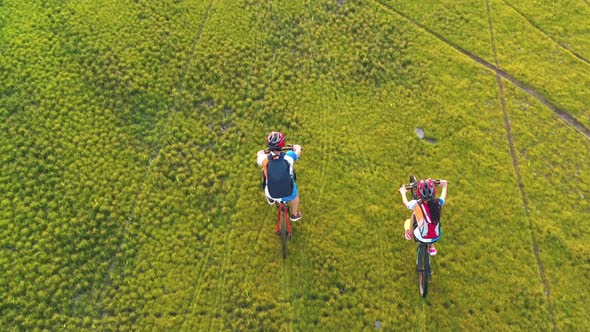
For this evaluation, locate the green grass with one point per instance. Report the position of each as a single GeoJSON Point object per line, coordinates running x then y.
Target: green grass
{"type": "Point", "coordinates": [130, 193]}
{"type": "Point", "coordinates": [548, 16]}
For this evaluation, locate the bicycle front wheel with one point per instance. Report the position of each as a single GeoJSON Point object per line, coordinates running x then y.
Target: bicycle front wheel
{"type": "Point", "coordinates": [423, 268]}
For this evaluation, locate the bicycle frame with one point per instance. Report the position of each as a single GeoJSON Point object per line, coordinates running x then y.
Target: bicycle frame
{"type": "Point", "coordinates": [283, 226]}
{"type": "Point", "coordinates": [283, 208]}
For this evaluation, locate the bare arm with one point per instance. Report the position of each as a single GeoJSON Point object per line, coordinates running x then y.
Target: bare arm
{"type": "Point", "coordinates": [297, 149]}
{"type": "Point", "coordinates": [260, 156]}
{"type": "Point", "coordinates": [443, 193]}
{"type": "Point", "coordinates": [403, 191]}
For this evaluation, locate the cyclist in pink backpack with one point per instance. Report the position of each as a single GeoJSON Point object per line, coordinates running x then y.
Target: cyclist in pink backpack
{"type": "Point", "coordinates": [278, 172]}
{"type": "Point", "coordinates": [425, 222]}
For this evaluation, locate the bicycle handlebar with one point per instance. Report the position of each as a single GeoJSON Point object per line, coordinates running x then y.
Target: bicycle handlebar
{"type": "Point", "coordinates": [284, 148]}
{"type": "Point", "coordinates": [415, 184]}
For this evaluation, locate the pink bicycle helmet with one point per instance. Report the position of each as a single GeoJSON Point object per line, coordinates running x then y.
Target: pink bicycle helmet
{"type": "Point", "coordinates": [275, 140]}
{"type": "Point", "coordinates": [426, 189]}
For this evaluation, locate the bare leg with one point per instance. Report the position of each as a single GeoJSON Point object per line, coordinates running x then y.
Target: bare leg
{"type": "Point", "coordinates": [412, 222]}
{"type": "Point", "coordinates": [409, 227]}
{"type": "Point", "coordinates": [294, 206]}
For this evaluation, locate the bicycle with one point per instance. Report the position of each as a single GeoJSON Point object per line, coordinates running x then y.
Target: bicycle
{"type": "Point", "coordinates": [422, 254]}
{"type": "Point", "coordinates": [283, 225]}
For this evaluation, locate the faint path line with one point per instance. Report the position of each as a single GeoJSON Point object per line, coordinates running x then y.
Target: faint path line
{"type": "Point", "coordinates": [302, 265]}
{"type": "Point", "coordinates": [179, 83]}
{"type": "Point", "coordinates": [184, 71]}
{"type": "Point", "coordinates": [422, 322]}
{"type": "Point", "coordinates": [516, 167]}
{"type": "Point", "coordinates": [286, 290]}
{"type": "Point", "coordinates": [196, 288]}
{"type": "Point", "coordinates": [536, 26]}
{"type": "Point", "coordinates": [365, 161]}
{"type": "Point", "coordinates": [156, 148]}
{"type": "Point", "coordinates": [326, 158]}
{"type": "Point", "coordinates": [221, 286]}
{"type": "Point", "coordinates": [271, 70]}
{"type": "Point", "coordinates": [563, 115]}
{"type": "Point", "coordinates": [159, 145]}
{"type": "Point", "coordinates": [381, 218]}
{"type": "Point", "coordinates": [263, 226]}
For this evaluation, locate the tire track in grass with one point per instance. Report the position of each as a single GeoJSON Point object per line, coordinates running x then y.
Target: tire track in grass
{"type": "Point", "coordinates": [270, 214]}
{"type": "Point", "coordinates": [515, 165]}
{"type": "Point", "coordinates": [422, 320]}
{"type": "Point", "coordinates": [325, 161]}
{"type": "Point", "coordinates": [320, 109]}
{"type": "Point", "coordinates": [354, 130]}
{"type": "Point", "coordinates": [271, 70]}
{"type": "Point", "coordinates": [421, 316]}
{"type": "Point", "coordinates": [301, 317]}
{"type": "Point", "coordinates": [157, 146]}
{"type": "Point", "coordinates": [184, 71]}
{"type": "Point", "coordinates": [179, 86]}
{"type": "Point", "coordinates": [286, 283]}
{"type": "Point", "coordinates": [160, 142]}
{"type": "Point", "coordinates": [536, 26]}
{"type": "Point", "coordinates": [295, 313]}
{"type": "Point", "coordinates": [302, 261]}
{"type": "Point", "coordinates": [221, 288]}
{"type": "Point", "coordinates": [287, 292]}
{"type": "Point", "coordinates": [196, 289]}
{"type": "Point", "coordinates": [318, 189]}
{"type": "Point", "coordinates": [264, 227]}
{"type": "Point", "coordinates": [562, 114]}
{"type": "Point", "coordinates": [295, 258]}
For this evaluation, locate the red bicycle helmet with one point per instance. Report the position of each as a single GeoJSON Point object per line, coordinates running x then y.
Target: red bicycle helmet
{"type": "Point", "coordinates": [275, 140]}
{"type": "Point", "coordinates": [426, 189]}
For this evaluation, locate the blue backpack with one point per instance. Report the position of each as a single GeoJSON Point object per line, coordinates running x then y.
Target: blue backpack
{"type": "Point", "coordinates": [276, 175]}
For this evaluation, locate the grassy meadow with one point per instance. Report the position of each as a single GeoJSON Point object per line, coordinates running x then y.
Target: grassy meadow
{"type": "Point", "coordinates": [130, 196]}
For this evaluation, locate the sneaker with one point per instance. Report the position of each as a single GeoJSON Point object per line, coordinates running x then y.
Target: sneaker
{"type": "Point", "coordinates": [270, 201]}
{"type": "Point", "coordinates": [432, 251]}
{"type": "Point", "coordinates": [296, 217]}
{"type": "Point", "coordinates": [409, 234]}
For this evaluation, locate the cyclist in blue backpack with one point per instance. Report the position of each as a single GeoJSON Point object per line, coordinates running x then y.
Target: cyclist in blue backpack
{"type": "Point", "coordinates": [279, 174]}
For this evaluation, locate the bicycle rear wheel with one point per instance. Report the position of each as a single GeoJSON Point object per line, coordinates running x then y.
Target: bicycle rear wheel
{"type": "Point", "coordinates": [423, 268]}
{"type": "Point", "coordinates": [413, 181]}
{"type": "Point", "coordinates": [283, 229]}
